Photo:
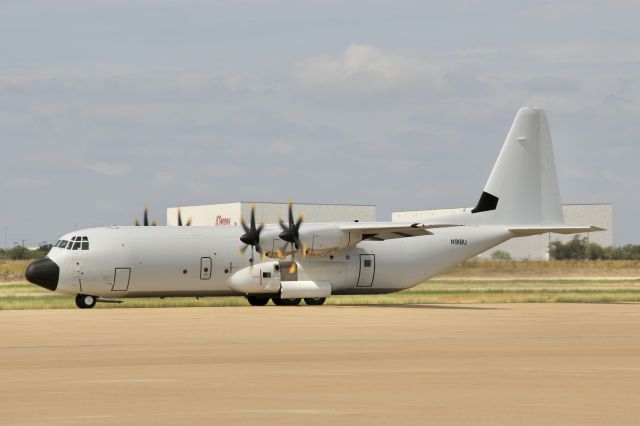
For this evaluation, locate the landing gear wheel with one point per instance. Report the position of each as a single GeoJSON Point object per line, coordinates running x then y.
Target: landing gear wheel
{"type": "Point", "coordinates": [257, 300]}
{"type": "Point", "coordinates": [314, 300]}
{"type": "Point", "coordinates": [277, 300]}
{"type": "Point", "coordinates": [84, 301]}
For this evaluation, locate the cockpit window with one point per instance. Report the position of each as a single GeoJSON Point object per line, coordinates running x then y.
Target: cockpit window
{"type": "Point", "coordinates": [76, 243]}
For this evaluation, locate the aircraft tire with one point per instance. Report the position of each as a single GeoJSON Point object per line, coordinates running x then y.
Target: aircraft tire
{"type": "Point", "coordinates": [314, 301]}
{"type": "Point", "coordinates": [257, 300]}
{"type": "Point", "coordinates": [279, 301]}
{"type": "Point", "coordinates": [85, 301]}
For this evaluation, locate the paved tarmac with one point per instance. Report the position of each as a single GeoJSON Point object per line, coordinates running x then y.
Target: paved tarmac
{"type": "Point", "coordinates": [512, 364]}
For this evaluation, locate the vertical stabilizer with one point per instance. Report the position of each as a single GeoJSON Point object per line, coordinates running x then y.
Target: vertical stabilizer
{"type": "Point", "coordinates": [523, 185]}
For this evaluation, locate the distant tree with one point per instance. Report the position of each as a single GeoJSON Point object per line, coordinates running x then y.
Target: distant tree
{"type": "Point", "coordinates": [500, 255]}
{"type": "Point", "coordinates": [575, 249]}
{"type": "Point", "coordinates": [18, 253]}
{"type": "Point", "coordinates": [21, 253]}
{"type": "Point", "coordinates": [596, 252]}
{"type": "Point", "coordinates": [45, 247]}
{"type": "Point", "coordinates": [579, 249]}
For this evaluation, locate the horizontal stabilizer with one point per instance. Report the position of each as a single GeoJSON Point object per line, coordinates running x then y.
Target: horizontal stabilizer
{"type": "Point", "coordinates": [522, 231]}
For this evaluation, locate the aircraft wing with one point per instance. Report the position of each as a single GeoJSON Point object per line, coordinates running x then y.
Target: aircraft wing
{"type": "Point", "coordinates": [380, 231]}
{"type": "Point", "coordinates": [522, 231]}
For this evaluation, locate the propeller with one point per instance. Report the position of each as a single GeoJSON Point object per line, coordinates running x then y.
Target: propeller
{"type": "Point", "coordinates": [145, 220]}
{"type": "Point", "coordinates": [251, 237]}
{"type": "Point", "coordinates": [290, 233]}
{"type": "Point", "coordinates": [180, 219]}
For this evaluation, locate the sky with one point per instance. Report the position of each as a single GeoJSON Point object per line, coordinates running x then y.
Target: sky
{"type": "Point", "coordinates": [106, 105]}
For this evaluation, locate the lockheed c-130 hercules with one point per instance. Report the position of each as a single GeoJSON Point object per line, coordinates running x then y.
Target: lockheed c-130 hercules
{"type": "Point", "coordinates": [288, 262]}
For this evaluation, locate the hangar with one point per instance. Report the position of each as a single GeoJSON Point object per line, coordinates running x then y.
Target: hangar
{"type": "Point", "coordinates": [536, 247]}
{"type": "Point", "coordinates": [230, 213]}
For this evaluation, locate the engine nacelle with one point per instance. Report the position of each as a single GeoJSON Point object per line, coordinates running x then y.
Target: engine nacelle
{"type": "Point", "coordinates": [323, 239]}
{"type": "Point", "coordinates": [318, 239]}
{"type": "Point", "coordinates": [259, 278]}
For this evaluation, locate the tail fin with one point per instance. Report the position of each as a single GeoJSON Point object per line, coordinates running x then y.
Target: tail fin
{"type": "Point", "coordinates": [523, 186]}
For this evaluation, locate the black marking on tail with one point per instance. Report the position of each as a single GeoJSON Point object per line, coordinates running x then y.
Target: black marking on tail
{"type": "Point", "coordinates": [487, 202]}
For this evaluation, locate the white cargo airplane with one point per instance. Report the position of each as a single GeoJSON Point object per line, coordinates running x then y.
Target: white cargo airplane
{"type": "Point", "coordinates": [521, 198]}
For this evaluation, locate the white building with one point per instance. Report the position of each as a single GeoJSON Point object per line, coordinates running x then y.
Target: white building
{"type": "Point", "coordinates": [230, 213]}
{"type": "Point", "coordinates": [536, 247]}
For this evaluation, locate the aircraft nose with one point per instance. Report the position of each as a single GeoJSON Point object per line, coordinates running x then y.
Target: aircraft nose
{"type": "Point", "coordinates": [43, 272]}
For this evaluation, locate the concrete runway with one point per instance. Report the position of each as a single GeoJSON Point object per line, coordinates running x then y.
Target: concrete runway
{"type": "Point", "coordinates": [472, 364]}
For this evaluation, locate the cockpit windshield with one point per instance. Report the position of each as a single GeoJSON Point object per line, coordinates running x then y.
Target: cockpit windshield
{"type": "Point", "coordinates": [76, 243]}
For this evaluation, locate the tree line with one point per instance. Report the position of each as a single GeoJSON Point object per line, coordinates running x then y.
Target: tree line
{"type": "Point", "coordinates": [21, 253]}
{"type": "Point", "coordinates": [579, 248]}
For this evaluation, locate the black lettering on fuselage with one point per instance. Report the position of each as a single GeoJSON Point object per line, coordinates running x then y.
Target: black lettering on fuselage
{"type": "Point", "coordinates": [458, 242]}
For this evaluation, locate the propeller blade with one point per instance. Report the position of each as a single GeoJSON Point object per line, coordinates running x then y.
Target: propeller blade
{"type": "Point", "coordinates": [136, 222]}
{"type": "Point", "coordinates": [290, 212]}
{"type": "Point", "coordinates": [253, 216]}
{"type": "Point", "coordinates": [244, 225]}
{"type": "Point", "coordinates": [179, 217]}
{"type": "Point", "coordinates": [154, 223]}
{"type": "Point", "coordinates": [189, 222]}
{"type": "Point", "coordinates": [146, 216]}
{"type": "Point", "coordinates": [251, 236]}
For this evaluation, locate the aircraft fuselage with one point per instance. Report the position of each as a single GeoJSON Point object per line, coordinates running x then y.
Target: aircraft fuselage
{"type": "Point", "coordinates": [199, 261]}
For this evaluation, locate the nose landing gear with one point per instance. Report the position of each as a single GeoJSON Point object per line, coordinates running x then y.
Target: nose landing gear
{"type": "Point", "coordinates": [84, 301]}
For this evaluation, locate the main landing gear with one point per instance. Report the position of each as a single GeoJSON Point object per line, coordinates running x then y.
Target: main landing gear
{"type": "Point", "coordinates": [314, 301]}
{"type": "Point", "coordinates": [278, 301]}
{"type": "Point", "coordinates": [84, 301]}
{"type": "Point", "coordinates": [258, 300]}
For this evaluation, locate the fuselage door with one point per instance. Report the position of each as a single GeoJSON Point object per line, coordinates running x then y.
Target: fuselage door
{"type": "Point", "coordinates": [367, 270]}
{"type": "Point", "coordinates": [121, 279]}
{"type": "Point", "coordinates": [205, 268]}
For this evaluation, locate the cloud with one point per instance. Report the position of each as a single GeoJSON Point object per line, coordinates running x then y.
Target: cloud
{"type": "Point", "coordinates": [109, 169]}
{"type": "Point", "coordinates": [549, 84]}
{"type": "Point", "coordinates": [365, 68]}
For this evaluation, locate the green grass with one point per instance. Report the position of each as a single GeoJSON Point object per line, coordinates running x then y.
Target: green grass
{"type": "Point", "coordinates": [21, 295]}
